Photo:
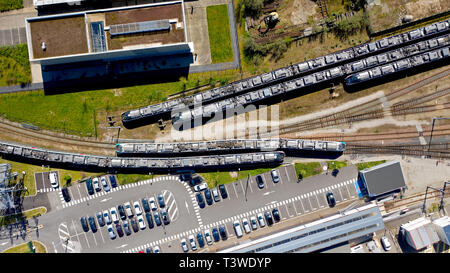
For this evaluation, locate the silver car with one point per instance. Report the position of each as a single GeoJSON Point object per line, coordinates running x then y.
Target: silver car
{"type": "Point", "coordinates": [215, 194]}
{"type": "Point", "coordinates": [111, 232]}
{"type": "Point", "coordinates": [184, 245]}
{"type": "Point", "coordinates": [253, 222]}
{"type": "Point", "coordinates": [261, 221]}
{"type": "Point", "coordinates": [104, 184]}
{"type": "Point", "coordinates": [106, 216]}
{"type": "Point", "coordinates": [208, 237]}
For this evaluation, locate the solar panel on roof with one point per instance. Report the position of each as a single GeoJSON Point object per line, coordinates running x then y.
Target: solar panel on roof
{"type": "Point", "coordinates": [138, 27]}
{"type": "Point", "coordinates": [98, 37]}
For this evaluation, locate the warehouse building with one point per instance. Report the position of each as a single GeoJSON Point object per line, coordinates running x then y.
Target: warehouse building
{"type": "Point", "coordinates": [442, 227]}
{"type": "Point", "coordinates": [419, 233]}
{"type": "Point", "coordinates": [334, 230]}
{"type": "Point", "coordinates": [382, 180]}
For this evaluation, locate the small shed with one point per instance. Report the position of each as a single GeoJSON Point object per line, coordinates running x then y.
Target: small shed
{"type": "Point", "coordinates": [419, 233]}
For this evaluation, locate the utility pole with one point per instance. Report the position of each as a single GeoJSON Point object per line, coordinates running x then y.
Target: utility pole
{"type": "Point", "coordinates": [425, 199]}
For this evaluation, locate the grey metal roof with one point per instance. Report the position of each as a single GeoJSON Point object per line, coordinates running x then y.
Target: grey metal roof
{"type": "Point", "coordinates": [383, 178]}
{"type": "Point", "coordinates": [138, 27]}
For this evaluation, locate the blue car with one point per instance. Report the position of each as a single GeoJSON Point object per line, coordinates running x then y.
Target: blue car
{"type": "Point", "coordinates": [200, 240]}
{"type": "Point", "coordinates": [215, 234]}
{"type": "Point", "coordinates": [145, 204]}
{"type": "Point", "coordinates": [208, 197]}
{"type": "Point", "coordinates": [161, 201]}
{"type": "Point", "coordinates": [200, 201]}
{"type": "Point", "coordinates": [89, 186]}
{"type": "Point", "coordinates": [112, 180]}
{"type": "Point", "coordinates": [92, 224]}
{"type": "Point", "coordinates": [84, 224]}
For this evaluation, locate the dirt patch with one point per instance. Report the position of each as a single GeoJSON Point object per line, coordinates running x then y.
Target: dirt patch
{"type": "Point", "coordinates": [302, 10]}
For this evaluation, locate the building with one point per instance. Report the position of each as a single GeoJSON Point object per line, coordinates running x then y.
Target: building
{"type": "Point", "coordinates": [382, 180]}
{"type": "Point", "coordinates": [334, 230]}
{"type": "Point", "coordinates": [419, 233]}
{"type": "Point", "coordinates": [41, 3]}
{"type": "Point", "coordinates": [442, 228]}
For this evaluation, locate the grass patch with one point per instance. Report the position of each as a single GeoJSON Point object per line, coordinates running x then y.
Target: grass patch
{"type": "Point", "coordinates": [133, 178]}
{"type": "Point", "coordinates": [25, 248]}
{"type": "Point", "coordinates": [366, 165]}
{"type": "Point", "coordinates": [6, 5]}
{"type": "Point", "coordinates": [15, 66]}
{"type": "Point", "coordinates": [307, 169]}
{"type": "Point", "coordinates": [28, 214]}
{"type": "Point", "coordinates": [219, 34]}
{"type": "Point", "coordinates": [215, 178]}
{"type": "Point", "coordinates": [336, 164]}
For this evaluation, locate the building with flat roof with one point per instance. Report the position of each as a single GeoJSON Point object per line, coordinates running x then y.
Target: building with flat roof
{"type": "Point", "coordinates": [419, 233]}
{"type": "Point", "coordinates": [321, 234]}
{"type": "Point", "coordinates": [40, 3]}
{"type": "Point", "coordinates": [108, 34]}
{"type": "Point", "coordinates": [442, 227]}
{"type": "Point", "coordinates": [383, 179]}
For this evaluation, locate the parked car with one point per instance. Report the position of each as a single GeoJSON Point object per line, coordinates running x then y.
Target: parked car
{"type": "Point", "coordinates": [96, 184]}
{"type": "Point", "coordinates": [66, 195]}
{"type": "Point", "coordinates": [223, 191]}
{"type": "Point", "coordinates": [161, 202]}
{"type": "Point", "coordinates": [152, 202]}
{"type": "Point", "coordinates": [145, 204]}
{"type": "Point", "coordinates": [261, 221]}
{"type": "Point", "coordinates": [372, 246]}
{"type": "Point", "coordinates": [246, 225]}
{"type": "Point", "coordinates": [269, 218]}
{"type": "Point", "coordinates": [148, 250]}
{"type": "Point", "coordinates": [208, 237]}
{"type": "Point", "coordinates": [335, 172]}
{"type": "Point", "coordinates": [112, 180]}
{"type": "Point", "coordinates": [100, 220]}
{"type": "Point", "coordinates": [215, 194]}
{"type": "Point", "coordinates": [208, 197]}
{"type": "Point", "coordinates": [200, 201]}
{"type": "Point", "coordinates": [84, 224]}
{"type": "Point", "coordinates": [253, 222]}
{"type": "Point", "coordinates": [330, 199]}
{"type": "Point", "coordinates": [137, 208]}
{"type": "Point", "coordinates": [201, 242]}
{"type": "Point", "coordinates": [196, 180]}
{"type": "Point", "coordinates": [126, 227]}
{"type": "Point", "coordinates": [104, 184]}
{"type": "Point", "coordinates": [134, 225]}
{"type": "Point", "coordinates": [165, 217]}
{"type": "Point", "coordinates": [157, 218]}
{"type": "Point", "coordinates": [275, 176]}
{"type": "Point", "coordinates": [156, 249]}
{"type": "Point", "coordinates": [186, 177]}
{"type": "Point", "coordinates": [114, 216]}
{"type": "Point", "coordinates": [128, 209]}
{"type": "Point", "coordinates": [111, 232]}
{"type": "Point", "coordinates": [141, 222]}
{"type": "Point", "coordinates": [201, 187]}
{"type": "Point", "coordinates": [276, 215]}
{"type": "Point", "coordinates": [184, 246]}
{"type": "Point", "coordinates": [259, 181]}
{"type": "Point", "coordinates": [192, 242]}
{"type": "Point", "coordinates": [149, 219]}
{"type": "Point", "coordinates": [223, 232]}
{"type": "Point", "coordinates": [54, 180]}
{"type": "Point", "coordinates": [89, 186]}
{"type": "Point", "coordinates": [119, 230]}
{"type": "Point", "coordinates": [107, 218]}
{"type": "Point", "coordinates": [237, 228]}
{"type": "Point", "coordinates": [121, 212]}
{"type": "Point", "coordinates": [385, 243]}
{"type": "Point", "coordinates": [215, 234]}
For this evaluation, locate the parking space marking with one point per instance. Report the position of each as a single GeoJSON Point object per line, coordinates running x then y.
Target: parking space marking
{"type": "Point", "coordinates": [237, 197]}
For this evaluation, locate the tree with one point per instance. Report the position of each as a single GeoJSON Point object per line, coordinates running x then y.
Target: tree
{"type": "Point", "coordinates": [253, 8]}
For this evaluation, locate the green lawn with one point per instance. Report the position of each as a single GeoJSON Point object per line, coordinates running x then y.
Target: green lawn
{"type": "Point", "coordinates": [336, 164]}
{"type": "Point", "coordinates": [219, 34]}
{"type": "Point", "coordinates": [14, 64]}
{"type": "Point", "coordinates": [133, 178]}
{"type": "Point", "coordinates": [366, 165]}
{"type": "Point", "coordinates": [25, 248]}
{"type": "Point", "coordinates": [308, 169]}
{"type": "Point", "coordinates": [6, 5]}
{"type": "Point", "coordinates": [215, 178]}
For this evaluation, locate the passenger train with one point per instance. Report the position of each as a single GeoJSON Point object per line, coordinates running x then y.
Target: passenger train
{"type": "Point", "coordinates": [320, 63]}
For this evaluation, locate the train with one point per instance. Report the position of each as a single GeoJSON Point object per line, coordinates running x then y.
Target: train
{"type": "Point", "coordinates": [288, 146]}
{"type": "Point", "coordinates": [112, 164]}
{"type": "Point", "coordinates": [398, 59]}
{"type": "Point", "coordinates": [285, 73]}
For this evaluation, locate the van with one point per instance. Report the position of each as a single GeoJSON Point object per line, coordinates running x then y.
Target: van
{"type": "Point", "coordinates": [385, 243]}
{"type": "Point", "coordinates": [54, 180]}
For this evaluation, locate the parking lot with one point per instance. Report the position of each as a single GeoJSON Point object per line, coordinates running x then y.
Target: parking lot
{"type": "Point", "coordinates": [43, 181]}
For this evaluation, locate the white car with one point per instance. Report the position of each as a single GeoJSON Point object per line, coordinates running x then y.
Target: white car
{"type": "Point", "coordinates": [96, 184]}
{"type": "Point", "coordinates": [184, 245]}
{"type": "Point", "coordinates": [215, 194]}
{"type": "Point", "coordinates": [114, 216]}
{"type": "Point", "coordinates": [253, 222]}
{"type": "Point", "coordinates": [152, 202]}
{"type": "Point", "coordinates": [246, 225]}
{"type": "Point", "coordinates": [141, 222]}
{"type": "Point", "coordinates": [237, 228]}
{"type": "Point", "coordinates": [128, 210]}
{"type": "Point", "coordinates": [275, 176]}
{"type": "Point", "coordinates": [156, 249]}
{"type": "Point", "coordinates": [104, 184]}
{"type": "Point", "coordinates": [200, 187]}
{"type": "Point", "coordinates": [192, 242]}
{"type": "Point", "coordinates": [208, 237]}
{"type": "Point", "coordinates": [111, 232]}
{"type": "Point", "coordinates": [261, 221]}
{"type": "Point", "coordinates": [54, 180]}
{"type": "Point", "coordinates": [385, 243]}
{"type": "Point", "coordinates": [106, 216]}
{"type": "Point", "coordinates": [137, 208]}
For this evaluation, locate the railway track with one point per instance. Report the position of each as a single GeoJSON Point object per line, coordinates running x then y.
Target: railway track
{"type": "Point", "coordinates": [440, 151]}
{"type": "Point", "coordinates": [413, 200]}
